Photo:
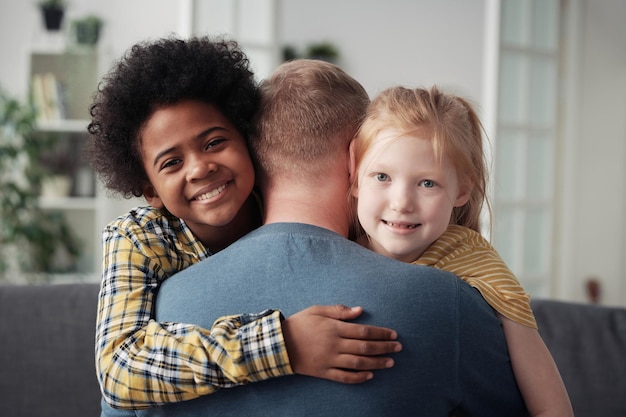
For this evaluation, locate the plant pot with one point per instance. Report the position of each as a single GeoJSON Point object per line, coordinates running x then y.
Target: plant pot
{"type": "Point", "coordinates": [53, 17]}
{"type": "Point", "coordinates": [87, 33]}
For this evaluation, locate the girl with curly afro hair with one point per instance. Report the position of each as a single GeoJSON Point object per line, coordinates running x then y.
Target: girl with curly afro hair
{"type": "Point", "coordinates": [170, 123]}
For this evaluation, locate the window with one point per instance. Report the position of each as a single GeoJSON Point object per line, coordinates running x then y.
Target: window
{"type": "Point", "coordinates": [525, 140]}
{"type": "Point", "coordinates": [253, 23]}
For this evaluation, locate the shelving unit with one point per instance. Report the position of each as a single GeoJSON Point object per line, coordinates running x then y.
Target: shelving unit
{"type": "Point", "coordinates": [72, 77]}
{"type": "Point", "coordinates": [74, 73]}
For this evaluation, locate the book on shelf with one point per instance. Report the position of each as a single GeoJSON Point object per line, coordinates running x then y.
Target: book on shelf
{"type": "Point", "coordinates": [48, 97]}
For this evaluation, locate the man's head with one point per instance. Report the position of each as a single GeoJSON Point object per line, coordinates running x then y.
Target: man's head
{"type": "Point", "coordinates": [310, 111]}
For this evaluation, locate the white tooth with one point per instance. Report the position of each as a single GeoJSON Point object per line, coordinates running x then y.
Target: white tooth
{"type": "Point", "coordinates": [408, 226]}
{"type": "Point", "coordinates": [212, 193]}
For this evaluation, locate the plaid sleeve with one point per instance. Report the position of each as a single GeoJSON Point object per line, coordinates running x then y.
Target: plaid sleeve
{"type": "Point", "coordinates": [142, 363]}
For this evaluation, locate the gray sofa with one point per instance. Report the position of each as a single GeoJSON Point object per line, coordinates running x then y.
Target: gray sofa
{"type": "Point", "coordinates": [47, 364]}
{"type": "Point", "coordinates": [588, 343]}
{"type": "Point", "coordinates": [47, 337]}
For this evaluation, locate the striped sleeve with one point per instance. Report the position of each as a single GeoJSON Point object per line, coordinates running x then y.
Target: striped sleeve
{"type": "Point", "coordinates": [469, 256]}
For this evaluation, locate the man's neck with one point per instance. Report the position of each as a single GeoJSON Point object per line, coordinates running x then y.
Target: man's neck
{"type": "Point", "coordinates": [323, 207]}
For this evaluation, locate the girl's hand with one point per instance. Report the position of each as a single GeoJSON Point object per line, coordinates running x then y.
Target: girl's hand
{"type": "Point", "coordinates": [320, 343]}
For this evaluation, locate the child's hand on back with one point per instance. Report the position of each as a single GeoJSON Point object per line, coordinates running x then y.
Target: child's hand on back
{"type": "Point", "coordinates": [321, 344]}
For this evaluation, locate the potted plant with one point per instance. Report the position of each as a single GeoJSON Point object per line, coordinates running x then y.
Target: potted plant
{"type": "Point", "coordinates": [35, 235]}
{"type": "Point", "coordinates": [289, 53]}
{"type": "Point", "coordinates": [53, 12]}
{"type": "Point", "coordinates": [324, 51]}
{"type": "Point", "coordinates": [87, 30]}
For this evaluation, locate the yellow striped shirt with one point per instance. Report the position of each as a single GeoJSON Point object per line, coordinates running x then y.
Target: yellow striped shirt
{"type": "Point", "coordinates": [469, 256]}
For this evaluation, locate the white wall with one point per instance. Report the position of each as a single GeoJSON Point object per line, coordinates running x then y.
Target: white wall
{"type": "Point", "coordinates": [412, 42]}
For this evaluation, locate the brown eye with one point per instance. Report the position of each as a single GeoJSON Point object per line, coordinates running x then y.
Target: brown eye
{"type": "Point", "coordinates": [213, 143]}
{"type": "Point", "coordinates": [170, 163]}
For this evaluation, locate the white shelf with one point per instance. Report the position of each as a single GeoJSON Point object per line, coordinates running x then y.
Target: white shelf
{"type": "Point", "coordinates": [68, 203]}
{"type": "Point", "coordinates": [75, 72]}
{"type": "Point", "coordinates": [63, 125]}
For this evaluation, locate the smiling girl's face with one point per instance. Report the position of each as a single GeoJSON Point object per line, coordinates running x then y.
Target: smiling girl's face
{"type": "Point", "coordinates": [405, 195]}
{"type": "Point", "coordinates": [198, 165]}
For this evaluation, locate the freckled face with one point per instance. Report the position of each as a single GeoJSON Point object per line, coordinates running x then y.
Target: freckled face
{"type": "Point", "coordinates": [405, 196]}
{"type": "Point", "coordinates": [197, 163]}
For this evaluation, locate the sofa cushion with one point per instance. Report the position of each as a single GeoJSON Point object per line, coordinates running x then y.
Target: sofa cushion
{"type": "Point", "coordinates": [47, 350]}
{"type": "Point", "coordinates": [588, 344]}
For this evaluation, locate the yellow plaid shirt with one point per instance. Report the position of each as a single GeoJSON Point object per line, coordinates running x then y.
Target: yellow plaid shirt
{"type": "Point", "coordinates": [142, 363]}
{"type": "Point", "coordinates": [469, 256]}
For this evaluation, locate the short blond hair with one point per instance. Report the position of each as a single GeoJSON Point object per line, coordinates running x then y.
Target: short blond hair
{"type": "Point", "coordinates": [310, 111]}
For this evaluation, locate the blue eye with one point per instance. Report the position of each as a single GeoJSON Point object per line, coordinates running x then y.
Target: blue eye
{"type": "Point", "coordinates": [381, 177]}
{"type": "Point", "coordinates": [428, 183]}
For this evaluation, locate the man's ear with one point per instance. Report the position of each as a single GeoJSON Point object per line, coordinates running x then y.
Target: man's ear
{"type": "Point", "coordinates": [151, 196]}
{"type": "Point", "coordinates": [465, 191]}
{"type": "Point", "coordinates": [352, 174]}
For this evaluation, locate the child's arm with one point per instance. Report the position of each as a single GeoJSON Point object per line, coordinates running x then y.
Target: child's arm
{"type": "Point", "coordinates": [535, 371]}
{"type": "Point", "coordinates": [170, 362]}
{"type": "Point", "coordinates": [141, 362]}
